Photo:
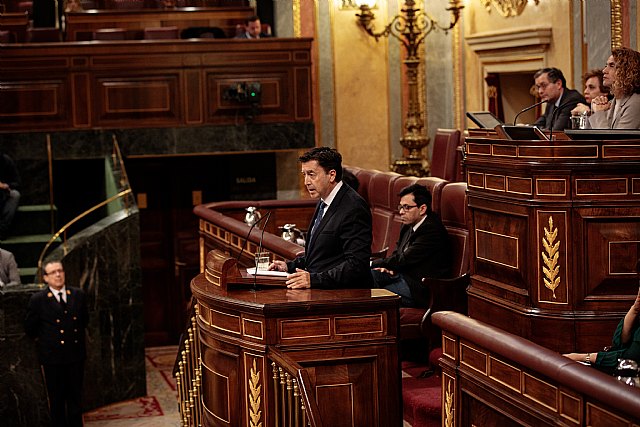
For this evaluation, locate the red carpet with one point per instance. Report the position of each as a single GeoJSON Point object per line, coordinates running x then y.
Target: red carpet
{"type": "Point", "coordinates": [421, 397]}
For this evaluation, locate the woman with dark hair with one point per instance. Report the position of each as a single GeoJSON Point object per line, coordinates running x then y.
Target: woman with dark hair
{"type": "Point", "coordinates": [593, 87]}
{"type": "Point", "coordinates": [622, 76]}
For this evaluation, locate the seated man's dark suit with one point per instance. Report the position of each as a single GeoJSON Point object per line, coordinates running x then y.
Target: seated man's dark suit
{"type": "Point", "coordinates": [424, 252]}
{"type": "Point", "coordinates": [561, 119]}
{"type": "Point", "coordinates": [337, 256]}
{"type": "Point", "coordinates": [60, 340]}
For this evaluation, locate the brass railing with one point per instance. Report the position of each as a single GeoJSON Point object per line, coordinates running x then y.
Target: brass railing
{"type": "Point", "coordinates": [188, 374]}
{"type": "Point", "coordinates": [294, 404]}
{"type": "Point", "coordinates": [124, 187]}
{"type": "Point", "coordinates": [290, 390]}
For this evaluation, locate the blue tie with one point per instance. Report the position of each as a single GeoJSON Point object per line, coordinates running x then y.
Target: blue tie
{"type": "Point", "coordinates": [316, 223]}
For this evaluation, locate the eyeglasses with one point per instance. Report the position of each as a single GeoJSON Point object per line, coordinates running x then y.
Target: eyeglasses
{"type": "Point", "coordinates": [406, 207]}
{"type": "Point", "coordinates": [59, 270]}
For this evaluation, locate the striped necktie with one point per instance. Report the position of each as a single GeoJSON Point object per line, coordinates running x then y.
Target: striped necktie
{"type": "Point", "coordinates": [316, 223]}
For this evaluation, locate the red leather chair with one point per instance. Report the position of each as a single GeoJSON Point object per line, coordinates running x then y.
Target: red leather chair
{"type": "Point", "coordinates": [108, 34]}
{"type": "Point", "coordinates": [443, 157]}
{"type": "Point", "coordinates": [161, 33]}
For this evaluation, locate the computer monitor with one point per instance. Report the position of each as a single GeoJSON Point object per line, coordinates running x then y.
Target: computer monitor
{"type": "Point", "coordinates": [484, 119]}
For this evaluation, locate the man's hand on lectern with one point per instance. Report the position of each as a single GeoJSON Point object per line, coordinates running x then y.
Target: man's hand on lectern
{"type": "Point", "coordinates": [278, 265]}
{"type": "Point", "coordinates": [301, 279]}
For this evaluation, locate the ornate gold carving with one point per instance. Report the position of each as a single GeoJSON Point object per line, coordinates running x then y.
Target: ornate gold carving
{"type": "Point", "coordinates": [448, 406]}
{"type": "Point", "coordinates": [550, 256]}
{"type": "Point", "coordinates": [297, 20]}
{"type": "Point", "coordinates": [254, 396]}
{"type": "Point", "coordinates": [616, 24]}
{"type": "Point", "coordinates": [507, 8]}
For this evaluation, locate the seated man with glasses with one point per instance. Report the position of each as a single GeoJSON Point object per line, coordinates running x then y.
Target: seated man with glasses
{"type": "Point", "coordinates": [422, 250]}
{"type": "Point", "coordinates": [552, 87]}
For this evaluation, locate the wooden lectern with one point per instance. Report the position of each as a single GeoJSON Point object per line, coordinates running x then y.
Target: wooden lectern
{"type": "Point", "coordinates": [344, 341]}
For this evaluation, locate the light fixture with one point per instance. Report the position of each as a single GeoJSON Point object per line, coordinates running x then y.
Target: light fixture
{"type": "Point", "coordinates": [411, 27]}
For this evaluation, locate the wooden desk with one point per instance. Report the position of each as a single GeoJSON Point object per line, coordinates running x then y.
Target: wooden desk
{"type": "Point", "coordinates": [346, 341]}
{"type": "Point", "coordinates": [492, 378]}
{"type": "Point", "coordinates": [555, 227]}
{"type": "Point", "coordinates": [81, 25]}
{"type": "Point", "coordinates": [16, 22]}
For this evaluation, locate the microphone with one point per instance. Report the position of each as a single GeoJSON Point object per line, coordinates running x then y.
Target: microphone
{"type": "Point", "coordinates": [527, 109]}
{"type": "Point", "coordinates": [244, 244]}
{"type": "Point", "coordinates": [255, 276]}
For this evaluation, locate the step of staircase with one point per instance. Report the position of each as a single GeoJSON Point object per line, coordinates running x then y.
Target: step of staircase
{"type": "Point", "coordinates": [32, 219]}
{"type": "Point", "coordinates": [27, 248]}
{"type": "Point", "coordinates": [28, 274]}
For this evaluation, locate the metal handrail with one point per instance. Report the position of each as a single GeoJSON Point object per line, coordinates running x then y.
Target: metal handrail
{"type": "Point", "coordinates": [73, 221]}
{"type": "Point", "coordinates": [63, 229]}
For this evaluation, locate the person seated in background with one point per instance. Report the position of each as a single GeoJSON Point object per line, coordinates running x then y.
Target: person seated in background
{"type": "Point", "coordinates": [626, 343]}
{"type": "Point", "coordinates": [552, 87]}
{"type": "Point", "coordinates": [253, 29]}
{"type": "Point", "coordinates": [72, 6]}
{"type": "Point", "coordinates": [422, 250]}
{"type": "Point", "coordinates": [9, 194]}
{"type": "Point", "coordinates": [593, 86]}
{"type": "Point", "coordinates": [350, 179]}
{"type": "Point", "coordinates": [9, 273]}
{"type": "Point", "coordinates": [622, 76]}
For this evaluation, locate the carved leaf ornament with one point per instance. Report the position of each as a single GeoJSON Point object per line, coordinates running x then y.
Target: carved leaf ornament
{"type": "Point", "coordinates": [550, 257]}
{"type": "Point", "coordinates": [448, 406]}
{"type": "Point", "coordinates": [254, 396]}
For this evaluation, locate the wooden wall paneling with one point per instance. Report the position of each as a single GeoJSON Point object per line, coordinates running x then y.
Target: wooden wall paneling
{"type": "Point", "coordinates": [149, 84]}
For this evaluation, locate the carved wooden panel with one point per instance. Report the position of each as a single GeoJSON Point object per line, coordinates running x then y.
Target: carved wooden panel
{"type": "Point", "coordinates": [154, 99]}
{"type": "Point", "coordinates": [42, 101]}
{"type": "Point", "coordinates": [151, 84]}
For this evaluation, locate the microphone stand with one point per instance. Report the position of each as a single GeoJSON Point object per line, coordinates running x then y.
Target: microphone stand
{"type": "Point", "coordinates": [255, 276]}
{"type": "Point", "coordinates": [527, 109]}
{"type": "Point", "coordinates": [244, 244]}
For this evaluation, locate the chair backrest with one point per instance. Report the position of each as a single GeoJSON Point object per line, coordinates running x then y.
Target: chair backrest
{"type": "Point", "coordinates": [43, 35]}
{"type": "Point", "coordinates": [160, 33]}
{"type": "Point", "coordinates": [443, 157]}
{"type": "Point", "coordinates": [453, 212]}
{"type": "Point", "coordinates": [127, 4]}
{"type": "Point", "coordinates": [16, 23]}
{"type": "Point", "coordinates": [105, 34]}
{"type": "Point", "coordinates": [383, 206]}
{"type": "Point", "coordinates": [203, 33]}
{"type": "Point", "coordinates": [7, 37]}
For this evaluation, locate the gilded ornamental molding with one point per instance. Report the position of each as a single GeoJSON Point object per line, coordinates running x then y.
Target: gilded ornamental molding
{"type": "Point", "coordinates": [507, 8]}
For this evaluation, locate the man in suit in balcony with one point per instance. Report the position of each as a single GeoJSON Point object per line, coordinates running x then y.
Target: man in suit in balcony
{"type": "Point", "coordinates": [552, 87]}
{"type": "Point", "coordinates": [421, 251]}
{"type": "Point", "coordinates": [253, 29]}
{"type": "Point", "coordinates": [338, 244]}
{"type": "Point", "coordinates": [57, 317]}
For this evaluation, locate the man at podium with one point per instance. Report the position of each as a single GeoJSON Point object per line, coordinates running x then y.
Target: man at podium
{"type": "Point", "coordinates": [338, 244]}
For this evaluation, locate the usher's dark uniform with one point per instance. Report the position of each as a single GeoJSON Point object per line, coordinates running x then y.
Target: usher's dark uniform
{"type": "Point", "coordinates": [59, 331]}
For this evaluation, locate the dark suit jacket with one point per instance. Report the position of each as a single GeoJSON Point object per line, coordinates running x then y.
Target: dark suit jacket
{"type": "Point", "coordinates": [561, 119]}
{"type": "Point", "coordinates": [338, 255]}
{"type": "Point", "coordinates": [59, 335]}
{"type": "Point", "coordinates": [428, 254]}
{"type": "Point", "coordinates": [245, 36]}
